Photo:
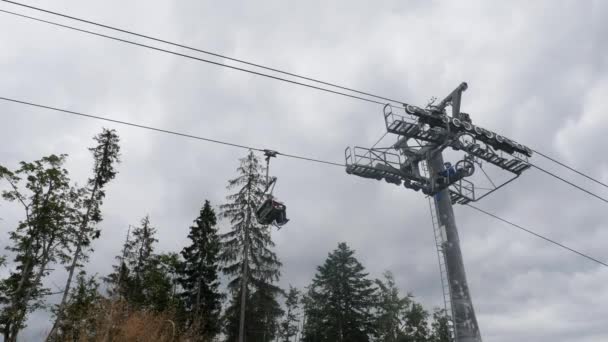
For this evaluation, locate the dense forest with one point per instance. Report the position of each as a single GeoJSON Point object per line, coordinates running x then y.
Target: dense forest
{"type": "Point", "coordinates": [198, 292]}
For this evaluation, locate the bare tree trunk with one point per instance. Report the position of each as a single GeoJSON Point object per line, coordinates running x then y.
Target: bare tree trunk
{"type": "Point", "coordinates": [245, 275]}
{"type": "Point", "coordinates": [79, 242]}
{"type": "Point", "coordinates": [244, 285]}
{"type": "Point", "coordinates": [21, 307]}
{"type": "Point", "coordinates": [72, 268]}
{"type": "Point", "coordinates": [12, 328]}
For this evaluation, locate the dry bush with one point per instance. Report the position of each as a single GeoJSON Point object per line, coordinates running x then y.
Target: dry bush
{"type": "Point", "coordinates": [146, 326]}
{"type": "Point", "coordinates": [114, 322]}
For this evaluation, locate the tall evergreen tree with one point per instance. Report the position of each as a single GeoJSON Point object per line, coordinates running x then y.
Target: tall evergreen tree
{"type": "Point", "coordinates": [148, 281]}
{"type": "Point", "coordinates": [79, 315]}
{"type": "Point", "coordinates": [159, 283]}
{"type": "Point", "coordinates": [137, 266]}
{"type": "Point", "coordinates": [105, 155]}
{"type": "Point", "coordinates": [390, 310]}
{"type": "Point", "coordinates": [39, 240]}
{"type": "Point", "coordinates": [140, 256]}
{"type": "Point", "coordinates": [199, 277]}
{"type": "Point", "coordinates": [289, 325]}
{"type": "Point", "coordinates": [247, 255]}
{"type": "Point", "coordinates": [118, 280]}
{"type": "Point", "coordinates": [265, 314]}
{"type": "Point", "coordinates": [340, 301]}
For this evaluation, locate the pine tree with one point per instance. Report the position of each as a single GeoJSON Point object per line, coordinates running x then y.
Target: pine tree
{"type": "Point", "coordinates": [140, 258]}
{"type": "Point", "coordinates": [199, 277]}
{"type": "Point", "coordinates": [39, 240]}
{"type": "Point", "coordinates": [247, 256]}
{"type": "Point", "coordinates": [79, 315]}
{"type": "Point", "coordinates": [118, 280]}
{"type": "Point", "coordinates": [159, 283]}
{"type": "Point", "coordinates": [263, 313]}
{"type": "Point", "coordinates": [289, 325]}
{"type": "Point", "coordinates": [390, 310]}
{"type": "Point", "coordinates": [137, 266]}
{"type": "Point", "coordinates": [264, 321]}
{"type": "Point", "coordinates": [145, 280]}
{"type": "Point", "coordinates": [340, 301]}
{"type": "Point", "coordinates": [105, 156]}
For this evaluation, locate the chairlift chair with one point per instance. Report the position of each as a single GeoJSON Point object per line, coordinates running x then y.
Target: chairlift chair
{"type": "Point", "coordinates": [271, 211]}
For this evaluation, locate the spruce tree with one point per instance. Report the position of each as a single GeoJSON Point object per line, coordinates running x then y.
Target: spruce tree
{"type": "Point", "coordinates": [118, 280]}
{"type": "Point", "coordinates": [289, 325]}
{"type": "Point", "coordinates": [140, 257]}
{"type": "Point", "coordinates": [144, 279]}
{"type": "Point", "coordinates": [247, 257]}
{"type": "Point", "coordinates": [390, 310]}
{"type": "Point", "coordinates": [263, 324]}
{"type": "Point", "coordinates": [137, 264]}
{"type": "Point", "coordinates": [105, 156]}
{"type": "Point", "coordinates": [80, 311]}
{"type": "Point", "coordinates": [340, 301]}
{"type": "Point", "coordinates": [199, 277]}
{"type": "Point", "coordinates": [40, 240]}
{"type": "Point", "coordinates": [159, 283]}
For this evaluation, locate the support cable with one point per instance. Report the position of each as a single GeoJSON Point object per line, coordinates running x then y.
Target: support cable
{"type": "Point", "coordinates": [194, 58]}
{"type": "Point", "coordinates": [207, 52]}
{"type": "Point", "coordinates": [268, 76]}
{"type": "Point", "coordinates": [254, 65]}
{"type": "Point", "coordinates": [570, 183]}
{"type": "Point", "coordinates": [539, 236]}
{"type": "Point", "coordinates": [286, 155]}
{"type": "Point", "coordinates": [571, 168]}
{"type": "Point", "coordinates": [185, 135]}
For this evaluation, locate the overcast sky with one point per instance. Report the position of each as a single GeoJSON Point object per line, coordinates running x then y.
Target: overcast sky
{"type": "Point", "coordinates": [537, 72]}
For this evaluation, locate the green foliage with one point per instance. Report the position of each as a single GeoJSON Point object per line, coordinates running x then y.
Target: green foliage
{"type": "Point", "coordinates": [140, 251]}
{"type": "Point", "coordinates": [231, 318]}
{"type": "Point", "coordinates": [159, 283]}
{"type": "Point", "coordinates": [199, 277]}
{"type": "Point", "coordinates": [262, 316]}
{"type": "Point", "coordinates": [118, 280]}
{"type": "Point", "coordinates": [145, 280]}
{"type": "Point", "coordinates": [246, 253]}
{"type": "Point", "coordinates": [339, 303]}
{"type": "Point", "coordinates": [416, 325]}
{"type": "Point", "coordinates": [50, 206]}
{"type": "Point", "coordinates": [78, 319]}
{"type": "Point", "coordinates": [60, 222]}
{"type": "Point", "coordinates": [289, 325]}
{"type": "Point", "coordinates": [401, 319]}
{"type": "Point", "coordinates": [390, 310]}
{"type": "Point", "coordinates": [440, 326]}
{"type": "Point", "coordinates": [263, 323]}
{"type": "Point", "coordinates": [105, 156]}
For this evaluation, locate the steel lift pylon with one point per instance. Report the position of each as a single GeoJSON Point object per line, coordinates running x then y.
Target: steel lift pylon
{"type": "Point", "coordinates": [416, 161]}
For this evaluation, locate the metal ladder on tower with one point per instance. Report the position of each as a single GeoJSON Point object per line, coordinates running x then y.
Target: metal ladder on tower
{"type": "Point", "coordinates": [440, 239]}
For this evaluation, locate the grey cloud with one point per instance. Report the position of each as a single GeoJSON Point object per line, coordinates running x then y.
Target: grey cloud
{"type": "Point", "coordinates": [534, 71]}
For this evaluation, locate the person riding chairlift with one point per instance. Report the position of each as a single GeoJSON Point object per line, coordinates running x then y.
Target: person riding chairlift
{"type": "Point", "coordinates": [271, 211]}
